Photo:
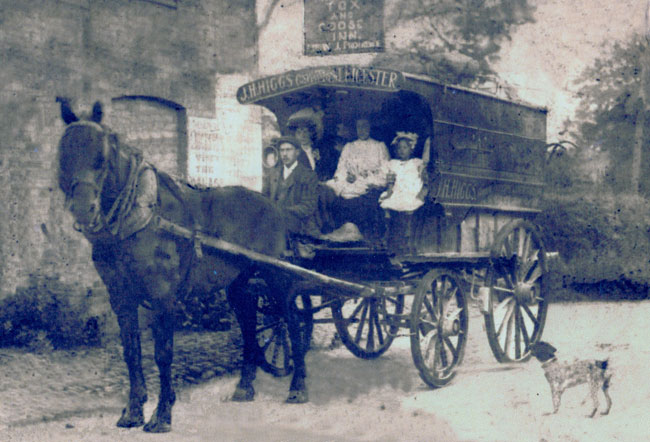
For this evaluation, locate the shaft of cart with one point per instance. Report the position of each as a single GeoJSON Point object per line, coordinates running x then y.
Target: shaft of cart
{"type": "Point", "coordinates": [201, 239]}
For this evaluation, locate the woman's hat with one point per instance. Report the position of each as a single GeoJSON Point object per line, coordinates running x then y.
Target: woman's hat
{"type": "Point", "coordinates": [307, 117]}
{"type": "Point", "coordinates": [411, 137]}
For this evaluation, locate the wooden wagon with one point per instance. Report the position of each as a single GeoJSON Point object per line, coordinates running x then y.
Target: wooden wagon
{"type": "Point", "coordinates": [478, 240]}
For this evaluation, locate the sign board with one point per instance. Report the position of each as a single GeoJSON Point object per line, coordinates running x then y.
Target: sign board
{"type": "Point", "coordinates": [202, 158]}
{"type": "Point", "coordinates": [343, 27]}
{"type": "Point", "coordinates": [342, 75]}
{"type": "Point", "coordinates": [226, 150]}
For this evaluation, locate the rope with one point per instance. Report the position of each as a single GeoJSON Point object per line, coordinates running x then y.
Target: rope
{"type": "Point", "coordinates": [124, 202]}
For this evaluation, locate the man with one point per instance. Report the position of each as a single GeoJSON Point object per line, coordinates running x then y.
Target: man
{"type": "Point", "coordinates": [360, 177]}
{"type": "Point", "coordinates": [294, 187]}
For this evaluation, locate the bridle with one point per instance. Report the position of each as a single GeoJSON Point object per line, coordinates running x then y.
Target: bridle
{"type": "Point", "coordinates": [114, 220]}
{"type": "Point", "coordinates": [95, 181]}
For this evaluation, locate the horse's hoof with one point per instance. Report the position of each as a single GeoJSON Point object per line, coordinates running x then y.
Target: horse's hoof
{"type": "Point", "coordinates": [129, 421]}
{"type": "Point", "coordinates": [298, 397]}
{"type": "Point", "coordinates": [243, 394]}
{"type": "Point", "coordinates": [157, 427]}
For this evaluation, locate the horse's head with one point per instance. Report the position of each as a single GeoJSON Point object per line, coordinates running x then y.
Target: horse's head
{"type": "Point", "coordinates": [83, 163]}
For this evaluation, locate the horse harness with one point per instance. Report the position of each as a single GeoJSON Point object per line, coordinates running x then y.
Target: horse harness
{"type": "Point", "coordinates": [120, 220]}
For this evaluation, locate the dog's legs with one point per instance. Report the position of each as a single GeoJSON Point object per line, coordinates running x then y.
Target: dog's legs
{"type": "Point", "coordinates": [557, 395]}
{"type": "Point", "coordinates": [593, 390]}
{"type": "Point", "coordinates": [607, 398]}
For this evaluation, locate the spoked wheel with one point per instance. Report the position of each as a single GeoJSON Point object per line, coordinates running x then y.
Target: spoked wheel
{"type": "Point", "coordinates": [364, 324]}
{"type": "Point", "coordinates": [516, 311]}
{"type": "Point", "coordinates": [439, 327]}
{"type": "Point", "coordinates": [272, 332]}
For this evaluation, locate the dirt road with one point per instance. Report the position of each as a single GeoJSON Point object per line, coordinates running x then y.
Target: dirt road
{"type": "Point", "coordinates": [384, 399]}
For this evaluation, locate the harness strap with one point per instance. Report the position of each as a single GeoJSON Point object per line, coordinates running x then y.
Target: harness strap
{"type": "Point", "coordinates": [124, 202]}
{"type": "Point", "coordinates": [196, 242]}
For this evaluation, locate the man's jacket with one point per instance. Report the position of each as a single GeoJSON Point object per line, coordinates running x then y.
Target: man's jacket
{"type": "Point", "coordinates": [297, 196]}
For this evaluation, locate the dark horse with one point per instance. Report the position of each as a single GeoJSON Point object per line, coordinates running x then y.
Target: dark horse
{"type": "Point", "coordinates": [116, 198]}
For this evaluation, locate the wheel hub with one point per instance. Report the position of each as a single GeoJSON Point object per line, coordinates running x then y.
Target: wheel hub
{"type": "Point", "coordinates": [450, 324]}
{"type": "Point", "coordinates": [525, 293]}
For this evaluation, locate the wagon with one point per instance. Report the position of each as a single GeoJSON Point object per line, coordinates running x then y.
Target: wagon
{"type": "Point", "coordinates": [477, 240]}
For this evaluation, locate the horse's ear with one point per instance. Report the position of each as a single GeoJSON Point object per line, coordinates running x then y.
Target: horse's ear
{"type": "Point", "coordinates": [67, 114]}
{"type": "Point", "coordinates": [97, 113]}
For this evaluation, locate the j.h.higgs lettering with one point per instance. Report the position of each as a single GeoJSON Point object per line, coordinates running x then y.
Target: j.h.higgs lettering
{"type": "Point", "coordinates": [343, 27]}
{"type": "Point", "coordinates": [345, 75]}
{"type": "Point", "coordinates": [456, 189]}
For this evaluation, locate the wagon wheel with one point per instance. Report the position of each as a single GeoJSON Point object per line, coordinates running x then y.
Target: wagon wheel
{"type": "Point", "coordinates": [363, 324]}
{"type": "Point", "coordinates": [516, 311]}
{"type": "Point", "coordinates": [439, 327]}
{"type": "Point", "coordinates": [273, 335]}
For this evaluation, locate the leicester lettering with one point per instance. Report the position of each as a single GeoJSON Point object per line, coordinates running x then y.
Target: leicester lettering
{"type": "Point", "coordinates": [345, 75]}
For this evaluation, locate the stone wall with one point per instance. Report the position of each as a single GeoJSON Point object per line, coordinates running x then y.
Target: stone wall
{"type": "Point", "coordinates": [166, 56]}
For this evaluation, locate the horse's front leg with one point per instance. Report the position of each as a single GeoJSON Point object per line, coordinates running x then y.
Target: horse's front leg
{"type": "Point", "coordinates": [163, 334]}
{"type": "Point", "coordinates": [299, 343]}
{"type": "Point", "coordinates": [132, 415]}
{"type": "Point", "coordinates": [155, 260]}
{"type": "Point", "coordinates": [244, 305]}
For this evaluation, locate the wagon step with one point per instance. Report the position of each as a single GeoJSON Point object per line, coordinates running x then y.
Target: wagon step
{"type": "Point", "coordinates": [201, 239]}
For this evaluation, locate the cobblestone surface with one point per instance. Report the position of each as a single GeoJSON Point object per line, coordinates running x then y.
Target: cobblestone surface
{"type": "Point", "coordinates": [44, 385]}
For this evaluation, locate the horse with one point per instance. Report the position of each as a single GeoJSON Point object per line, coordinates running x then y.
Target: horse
{"type": "Point", "coordinates": [115, 197]}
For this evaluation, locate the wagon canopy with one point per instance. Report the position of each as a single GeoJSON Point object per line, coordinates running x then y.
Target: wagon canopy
{"type": "Point", "coordinates": [489, 151]}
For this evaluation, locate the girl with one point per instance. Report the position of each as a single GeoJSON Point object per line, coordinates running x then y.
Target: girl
{"type": "Point", "coordinates": [407, 191]}
{"type": "Point", "coordinates": [405, 194]}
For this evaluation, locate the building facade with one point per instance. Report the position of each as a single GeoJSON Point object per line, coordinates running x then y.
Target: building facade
{"type": "Point", "coordinates": [166, 72]}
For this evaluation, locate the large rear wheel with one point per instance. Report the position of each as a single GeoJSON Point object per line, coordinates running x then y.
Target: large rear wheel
{"type": "Point", "coordinates": [517, 303]}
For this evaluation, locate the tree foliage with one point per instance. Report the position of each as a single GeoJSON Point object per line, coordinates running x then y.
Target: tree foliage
{"type": "Point", "coordinates": [610, 105]}
{"type": "Point", "coordinates": [456, 40]}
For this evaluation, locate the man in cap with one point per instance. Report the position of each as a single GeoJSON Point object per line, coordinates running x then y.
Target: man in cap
{"type": "Point", "coordinates": [294, 188]}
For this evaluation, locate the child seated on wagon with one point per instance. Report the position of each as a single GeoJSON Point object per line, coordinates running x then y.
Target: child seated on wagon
{"type": "Point", "coordinates": [405, 194]}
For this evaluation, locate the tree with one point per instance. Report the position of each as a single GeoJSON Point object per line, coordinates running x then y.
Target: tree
{"type": "Point", "coordinates": [456, 40]}
{"type": "Point", "coordinates": [612, 112]}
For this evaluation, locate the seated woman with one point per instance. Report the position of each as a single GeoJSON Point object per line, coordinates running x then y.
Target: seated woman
{"type": "Point", "coordinates": [307, 127]}
{"type": "Point", "coordinates": [405, 194]}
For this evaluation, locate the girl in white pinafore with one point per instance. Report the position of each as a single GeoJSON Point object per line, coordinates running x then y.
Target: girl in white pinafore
{"type": "Point", "coordinates": [405, 194]}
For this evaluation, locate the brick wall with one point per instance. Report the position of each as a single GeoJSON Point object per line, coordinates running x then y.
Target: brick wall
{"type": "Point", "coordinates": [88, 50]}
